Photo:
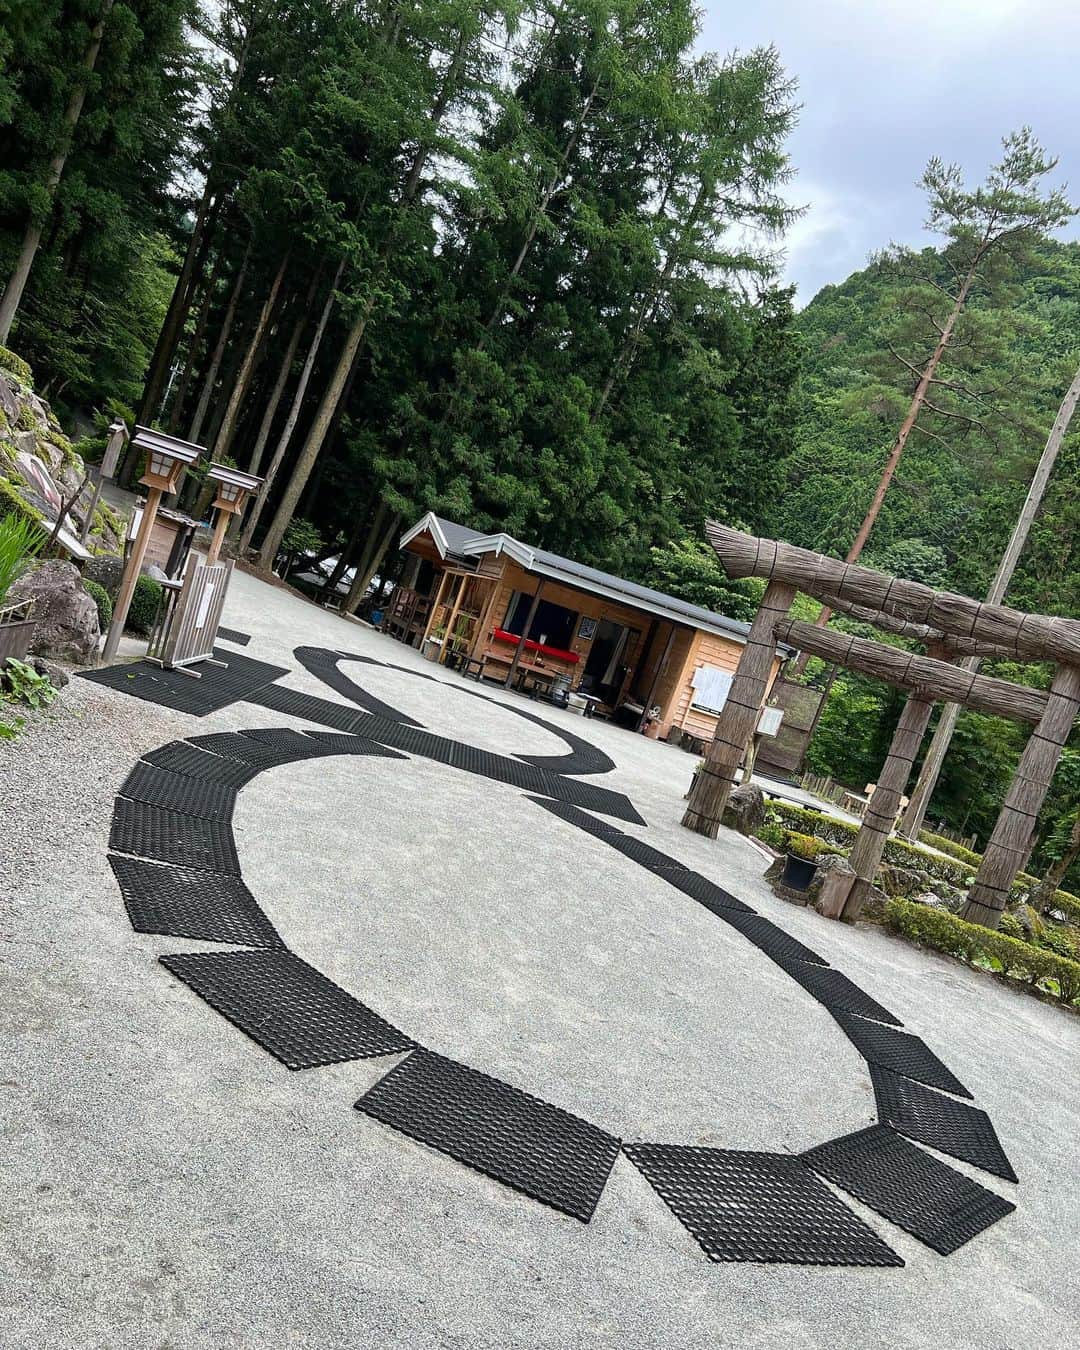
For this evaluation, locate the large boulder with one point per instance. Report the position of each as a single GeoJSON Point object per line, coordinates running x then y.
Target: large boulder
{"type": "Point", "coordinates": [67, 617]}
{"type": "Point", "coordinates": [745, 810]}
{"type": "Point", "coordinates": [830, 886]}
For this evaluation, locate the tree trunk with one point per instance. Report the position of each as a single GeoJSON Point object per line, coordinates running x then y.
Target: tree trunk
{"type": "Point", "coordinates": [284, 371]}
{"type": "Point", "coordinates": [328, 404]}
{"type": "Point", "coordinates": [371, 564]}
{"type": "Point", "coordinates": [179, 306]}
{"type": "Point", "coordinates": [247, 366]}
{"type": "Point", "coordinates": [1043, 894]}
{"type": "Point", "coordinates": [219, 349]}
{"type": "Point", "coordinates": [20, 273]}
{"type": "Point", "coordinates": [915, 407]}
{"type": "Point", "coordinates": [624, 359]}
{"type": "Point", "coordinates": [884, 804]}
{"type": "Point", "coordinates": [176, 409]}
{"type": "Point", "coordinates": [915, 815]}
{"type": "Point", "coordinates": [290, 421]}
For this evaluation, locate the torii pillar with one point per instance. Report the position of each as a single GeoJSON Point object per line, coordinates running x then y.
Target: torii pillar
{"type": "Point", "coordinates": [735, 727]}
{"type": "Point", "coordinates": [1014, 832]}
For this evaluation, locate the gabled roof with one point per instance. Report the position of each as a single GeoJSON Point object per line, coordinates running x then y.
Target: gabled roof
{"type": "Point", "coordinates": [453, 540]}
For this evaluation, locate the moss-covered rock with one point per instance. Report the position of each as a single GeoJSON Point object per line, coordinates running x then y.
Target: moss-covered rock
{"type": "Point", "coordinates": [16, 366]}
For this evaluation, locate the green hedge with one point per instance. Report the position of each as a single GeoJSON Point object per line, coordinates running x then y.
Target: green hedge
{"type": "Point", "coordinates": [100, 597]}
{"type": "Point", "coordinates": [965, 855]}
{"type": "Point", "coordinates": [144, 605]}
{"type": "Point", "coordinates": [974, 944]}
{"type": "Point", "coordinates": [898, 852]}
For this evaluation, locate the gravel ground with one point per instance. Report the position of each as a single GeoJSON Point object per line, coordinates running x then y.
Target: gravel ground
{"type": "Point", "coordinates": [168, 1184]}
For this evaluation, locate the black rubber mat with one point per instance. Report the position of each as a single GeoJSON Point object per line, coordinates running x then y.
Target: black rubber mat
{"type": "Point", "coordinates": [519, 1140]}
{"type": "Point", "coordinates": [311, 707]}
{"type": "Point", "coordinates": [772, 940]}
{"type": "Point", "coordinates": [706, 892]}
{"type": "Point", "coordinates": [192, 762]}
{"type": "Point", "coordinates": [287, 1007]}
{"type": "Point", "coordinates": [234, 635]}
{"type": "Point", "coordinates": [950, 1126]}
{"type": "Point", "coordinates": [216, 687]}
{"type": "Point", "coordinates": [340, 743]}
{"type": "Point", "coordinates": [180, 902]}
{"type": "Point", "coordinates": [417, 741]}
{"type": "Point", "coordinates": [575, 816]}
{"type": "Point", "coordinates": [765, 1207]}
{"type": "Point", "coordinates": [191, 796]}
{"type": "Point", "coordinates": [583, 757]}
{"type": "Point", "coordinates": [640, 852]}
{"type": "Point", "coordinates": [169, 836]}
{"type": "Point", "coordinates": [314, 660]}
{"type": "Point", "coordinates": [909, 1187]}
{"type": "Point", "coordinates": [232, 745]}
{"type": "Point", "coordinates": [836, 991]}
{"type": "Point", "coordinates": [898, 1050]}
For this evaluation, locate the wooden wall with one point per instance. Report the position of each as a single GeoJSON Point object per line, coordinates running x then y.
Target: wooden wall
{"type": "Point", "coordinates": [690, 648]}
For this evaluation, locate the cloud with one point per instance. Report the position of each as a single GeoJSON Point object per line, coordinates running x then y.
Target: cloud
{"type": "Point", "coordinates": [884, 86]}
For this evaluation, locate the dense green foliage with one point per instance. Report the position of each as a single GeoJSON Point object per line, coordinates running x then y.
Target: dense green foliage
{"type": "Point", "coordinates": [101, 278]}
{"type": "Point", "coordinates": [971, 942]}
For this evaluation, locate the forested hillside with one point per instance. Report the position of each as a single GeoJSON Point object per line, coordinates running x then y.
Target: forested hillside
{"type": "Point", "coordinates": [959, 488]}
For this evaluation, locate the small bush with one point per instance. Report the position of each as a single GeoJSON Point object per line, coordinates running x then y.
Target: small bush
{"type": "Point", "coordinates": [806, 846]}
{"type": "Point", "coordinates": [100, 597]}
{"type": "Point", "coordinates": [958, 851]}
{"type": "Point", "coordinates": [973, 943]}
{"type": "Point", "coordinates": [897, 851]}
{"type": "Point", "coordinates": [144, 605]}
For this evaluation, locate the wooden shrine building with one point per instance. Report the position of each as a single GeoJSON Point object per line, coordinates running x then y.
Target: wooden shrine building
{"type": "Point", "coordinates": [503, 610]}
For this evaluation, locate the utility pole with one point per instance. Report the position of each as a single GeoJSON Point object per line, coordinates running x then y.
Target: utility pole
{"type": "Point", "coordinates": [915, 812]}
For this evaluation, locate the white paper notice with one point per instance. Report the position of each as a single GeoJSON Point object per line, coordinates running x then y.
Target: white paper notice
{"type": "Point", "coordinates": [204, 607]}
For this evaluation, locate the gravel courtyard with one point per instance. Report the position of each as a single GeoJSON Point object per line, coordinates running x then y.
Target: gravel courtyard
{"type": "Point", "coordinates": [166, 1183]}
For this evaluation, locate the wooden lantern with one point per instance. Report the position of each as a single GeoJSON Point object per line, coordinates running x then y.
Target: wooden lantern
{"type": "Point", "coordinates": [167, 458]}
{"type": "Point", "coordinates": [233, 488]}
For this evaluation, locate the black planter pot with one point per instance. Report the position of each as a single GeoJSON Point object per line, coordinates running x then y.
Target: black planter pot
{"type": "Point", "coordinates": [798, 873]}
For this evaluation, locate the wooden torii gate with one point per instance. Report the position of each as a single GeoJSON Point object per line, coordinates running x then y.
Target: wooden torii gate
{"type": "Point", "coordinates": [950, 626]}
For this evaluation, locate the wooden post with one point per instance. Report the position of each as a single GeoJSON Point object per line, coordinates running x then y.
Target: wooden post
{"type": "Point", "coordinates": [738, 720]}
{"type": "Point", "coordinates": [221, 524]}
{"type": "Point", "coordinates": [434, 609]}
{"type": "Point", "coordinates": [453, 615]}
{"type": "Point", "coordinates": [524, 634]}
{"type": "Point", "coordinates": [643, 719]}
{"type": "Point", "coordinates": [1014, 833]}
{"type": "Point", "coordinates": [884, 805]}
{"type": "Point", "coordinates": [131, 574]}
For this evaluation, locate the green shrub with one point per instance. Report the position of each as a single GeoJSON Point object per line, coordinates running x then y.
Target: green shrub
{"type": "Point", "coordinates": [806, 846]}
{"type": "Point", "coordinates": [898, 852]}
{"type": "Point", "coordinates": [773, 835]}
{"type": "Point", "coordinates": [100, 597]}
{"type": "Point", "coordinates": [144, 605]}
{"type": "Point", "coordinates": [16, 366]}
{"type": "Point", "coordinates": [958, 851]}
{"type": "Point", "coordinates": [973, 943]}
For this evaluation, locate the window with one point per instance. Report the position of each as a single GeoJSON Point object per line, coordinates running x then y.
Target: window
{"type": "Point", "coordinates": [553, 624]}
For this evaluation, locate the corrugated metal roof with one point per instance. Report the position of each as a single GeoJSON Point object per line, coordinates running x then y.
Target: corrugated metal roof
{"type": "Point", "coordinates": [451, 537]}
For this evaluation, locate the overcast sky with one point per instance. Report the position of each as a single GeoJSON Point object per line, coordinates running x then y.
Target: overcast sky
{"type": "Point", "coordinates": [885, 85]}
